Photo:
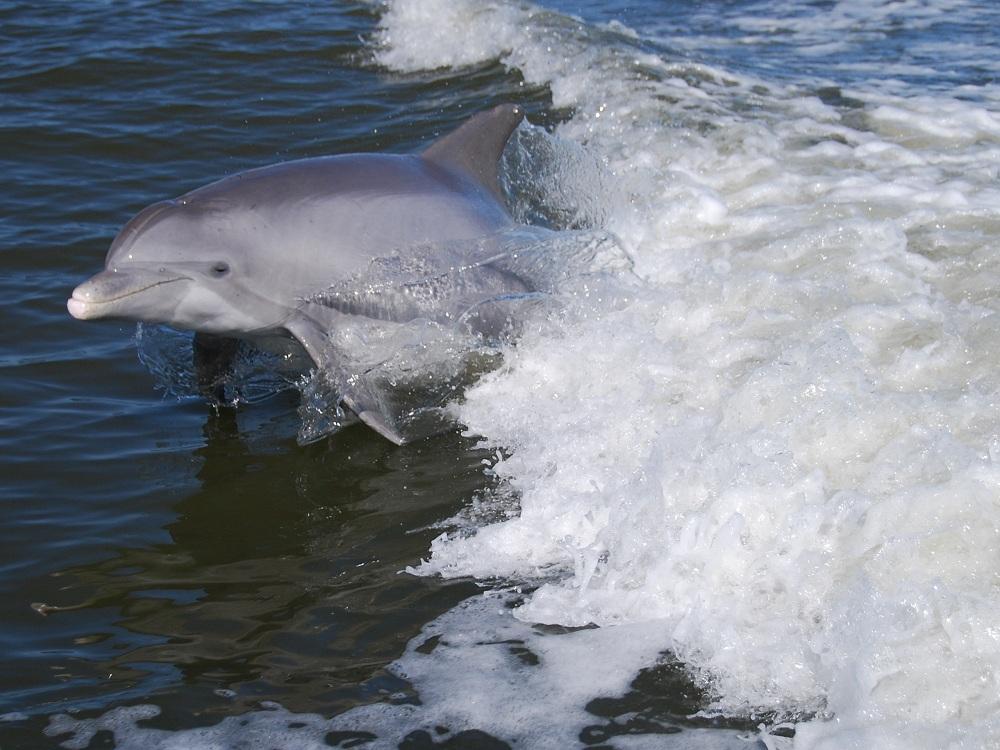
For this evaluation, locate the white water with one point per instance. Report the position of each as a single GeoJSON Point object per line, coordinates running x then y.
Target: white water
{"type": "Point", "coordinates": [785, 452]}
{"type": "Point", "coordinates": [778, 456]}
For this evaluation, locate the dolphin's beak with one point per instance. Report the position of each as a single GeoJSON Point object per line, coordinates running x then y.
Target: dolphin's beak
{"type": "Point", "coordinates": [113, 294]}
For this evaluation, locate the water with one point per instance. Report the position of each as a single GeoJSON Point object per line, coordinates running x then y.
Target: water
{"type": "Point", "coordinates": [768, 467]}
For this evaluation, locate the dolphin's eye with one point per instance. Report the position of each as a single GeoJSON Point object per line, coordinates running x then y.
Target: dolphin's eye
{"type": "Point", "coordinates": [220, 269]}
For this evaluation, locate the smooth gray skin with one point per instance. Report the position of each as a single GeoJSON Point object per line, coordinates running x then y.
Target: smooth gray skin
{"type": "Point", "coordinates": [241, 257]}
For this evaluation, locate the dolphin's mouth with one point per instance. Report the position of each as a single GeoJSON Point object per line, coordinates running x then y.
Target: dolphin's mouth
{"type": "Point", "coordinates": [108, 293]}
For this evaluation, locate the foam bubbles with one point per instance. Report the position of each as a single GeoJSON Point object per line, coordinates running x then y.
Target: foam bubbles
{"type": "Point", "coordinates": [779, 451]}
{"type": "Point", "coordinates": [477, 667]}
{"type": "Point", "coordinates": [489, 31]}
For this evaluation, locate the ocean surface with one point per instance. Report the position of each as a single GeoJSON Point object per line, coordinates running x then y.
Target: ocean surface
{"type": "Point", "coordinates": [742, 491]}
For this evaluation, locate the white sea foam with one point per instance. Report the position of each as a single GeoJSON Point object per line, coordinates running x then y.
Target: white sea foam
{"type": "Point", "coordinates": [477, 667]}
{"type": "Point", "coordinates": [785, 451]}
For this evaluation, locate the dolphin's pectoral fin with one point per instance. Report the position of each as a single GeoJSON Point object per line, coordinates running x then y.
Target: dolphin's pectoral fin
{"type": "Point", "coordinates": [374, 419]}
{"type": "Point", "coordinates": [213, 361]}
{"type": "Point", "coordinates": [310, 330]}
{"type": "Point", "coordinates": [311, 333]}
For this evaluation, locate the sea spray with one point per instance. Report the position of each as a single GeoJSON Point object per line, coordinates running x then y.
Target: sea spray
{"type": "Point", "coordinates": [783, 450]}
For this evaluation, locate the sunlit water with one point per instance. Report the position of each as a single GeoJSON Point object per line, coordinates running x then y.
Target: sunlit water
{"type": "Point", "coordinates": [757, 443]}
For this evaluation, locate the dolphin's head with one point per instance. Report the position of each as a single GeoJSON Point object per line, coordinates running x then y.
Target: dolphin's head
{"type": "Point", "coordinates": [183, 263]}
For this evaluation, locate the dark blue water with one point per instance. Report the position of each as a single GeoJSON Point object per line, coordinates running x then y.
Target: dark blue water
{"type": "Point", "coordinates": [153, 548]}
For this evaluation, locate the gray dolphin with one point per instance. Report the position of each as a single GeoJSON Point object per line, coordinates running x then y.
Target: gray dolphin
{"type": "Point", "coordinates": [249, 257]}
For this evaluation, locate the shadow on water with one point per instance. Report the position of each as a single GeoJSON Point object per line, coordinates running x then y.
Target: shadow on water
{"type": "Point", "coordinates": [283, 580]}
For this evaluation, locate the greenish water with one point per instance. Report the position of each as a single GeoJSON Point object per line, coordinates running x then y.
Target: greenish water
{"type": "Point", "coordinates": [151, 548]}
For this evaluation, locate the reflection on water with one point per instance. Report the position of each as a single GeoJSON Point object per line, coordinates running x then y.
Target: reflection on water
{"type": "Point", "coordinates": [281, 579]}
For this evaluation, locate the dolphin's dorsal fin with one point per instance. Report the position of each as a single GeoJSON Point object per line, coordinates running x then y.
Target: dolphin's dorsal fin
{"type": "Point", "coordinates": [476, 146]}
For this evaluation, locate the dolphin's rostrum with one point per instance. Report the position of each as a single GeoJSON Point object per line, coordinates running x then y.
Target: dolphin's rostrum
{"type": "Point", "coordinates": [249, 257]}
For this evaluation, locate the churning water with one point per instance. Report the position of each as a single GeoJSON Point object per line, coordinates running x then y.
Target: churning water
{"type": "Point", "coordinates": [762, 457]}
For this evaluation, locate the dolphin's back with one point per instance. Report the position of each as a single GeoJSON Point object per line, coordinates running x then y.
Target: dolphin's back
{"type": "Point", "coordinates": [356, 206]}
{"type": "Point", "coordinates": [377, 203]}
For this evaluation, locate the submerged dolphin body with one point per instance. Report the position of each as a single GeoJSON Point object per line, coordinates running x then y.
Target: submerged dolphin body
{"type": "Point", "coordinates": [247, 257]}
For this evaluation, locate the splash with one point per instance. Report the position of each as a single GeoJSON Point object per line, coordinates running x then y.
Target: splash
{"type": "Point", "coordinates": [255, 376]}
{"type": "Point", "coordinates": [783, 449]}
{"type": "Point", "coordinates": [462, 304]}
{"type": "Point", "coordinates": [459, 304]}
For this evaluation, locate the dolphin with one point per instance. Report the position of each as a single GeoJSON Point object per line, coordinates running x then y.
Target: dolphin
{"type": "Point", "coordinates": [250, 256]}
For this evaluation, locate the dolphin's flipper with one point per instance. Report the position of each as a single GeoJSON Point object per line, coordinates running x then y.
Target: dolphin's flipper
{"type": "Point", "coordinates": [311, 334]}
{"type": "Point", "coordinates": [213, 360]}
{"type": "Point", "coordinates": [374, 419]}
{"type": "Point", "coordinates": [476, 146]}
